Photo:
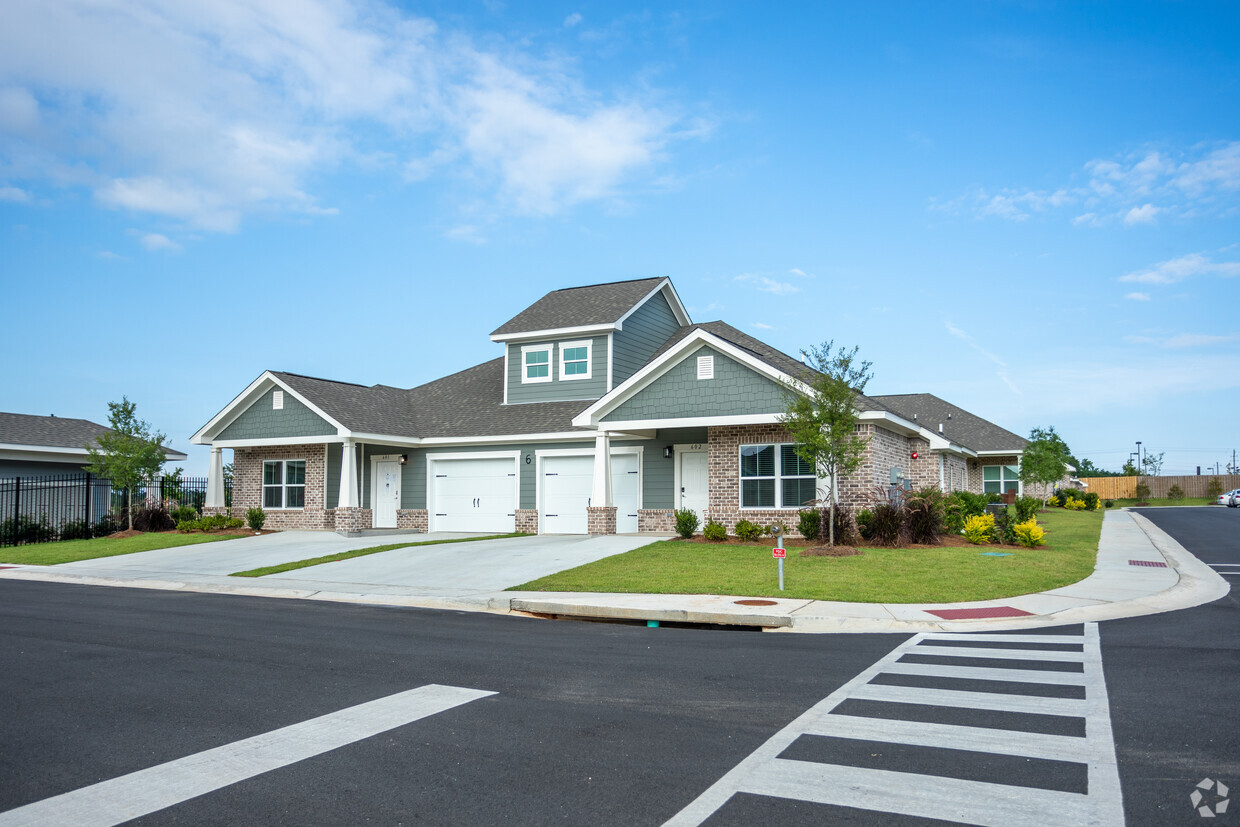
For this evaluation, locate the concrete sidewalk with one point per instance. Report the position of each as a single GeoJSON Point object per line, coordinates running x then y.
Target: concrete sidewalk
{"type": "Point", "coordinates": [1140, 570]}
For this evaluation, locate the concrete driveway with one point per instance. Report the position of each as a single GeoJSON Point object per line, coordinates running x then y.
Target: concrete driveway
{"type": "Point", "coordinates": [452, 568]}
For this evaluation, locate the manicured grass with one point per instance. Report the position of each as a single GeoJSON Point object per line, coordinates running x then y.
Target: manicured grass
{"type": "Point", "coordinates": [1155, 503]}
{"type": "Point", "coordinates": [70, 551]}
{"type": "Point", "coordinates": [942, 575]}
{"type": "Point", "coordinates": [362, 552]}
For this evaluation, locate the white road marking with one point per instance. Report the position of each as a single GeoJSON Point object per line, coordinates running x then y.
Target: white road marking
{"type": "Point", "coordinates": [146, 791]}
{"type": "Point", "coordinates": [997, 654]}
{"type": "Point", "coordinates": [764, 773]}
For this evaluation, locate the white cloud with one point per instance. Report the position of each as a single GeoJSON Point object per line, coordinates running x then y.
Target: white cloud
{"type": "Point", "coordinates": [797, 271]}
{"type": "Point", "coordinates": [1140, 297]}
{"type": "Point", "coordinates": [1182, 340]}
{"type": "Point", "coordinates": [1089, 219]}
{"type": "Point", "coordinates": [211, 111]}
{"type": "Point", "coordinates": [1003, 372]}
{"type": "Point", "coordinates": [572, 20]}
{"type": "Point", "coordinates": [1141, 215]}
{"type": "Point", "coordinates": [768, 285]}
{"type": "Point", "coordinates": [1178, 269]}
{"type": "Point", "coordinates": [157, 241]}
{"type": "Point", "coordinates": [13, 194]}
{"type": "Point", "coordinates": [465, 232]}
{"type": "Point", "coordinates": [762, 326]}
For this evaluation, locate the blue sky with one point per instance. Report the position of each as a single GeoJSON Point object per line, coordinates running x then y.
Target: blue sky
{"type": "Point", "coordinates": [1029, 209]}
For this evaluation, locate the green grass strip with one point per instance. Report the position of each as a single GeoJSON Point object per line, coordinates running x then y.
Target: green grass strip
{"type": "Point", "coordinates": [362, 552]}
{"type": "Point", "coordinates": [71, 551]}
{"type": "Point", "coordinates": [937, 575]}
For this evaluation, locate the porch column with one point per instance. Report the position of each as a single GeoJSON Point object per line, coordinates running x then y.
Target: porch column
{"type": "Point", "coordinates": [215, 480]}
{"type": "Point", "coordinates": [600, 493]}
{"type": "Point", "coordinates": [348, 476]}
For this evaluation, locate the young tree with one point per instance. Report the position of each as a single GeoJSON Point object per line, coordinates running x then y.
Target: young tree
{"type": "Point", "coordinates": [1153, 463]}
{"type": "Point", "coordinates": [821, 416]}
{"type": "Point", "coordinates": [128, 455]}
{"type": "Point", "coordinates": [1045, 459]}
{"type": "Point", "coordinates": [1129, 469]}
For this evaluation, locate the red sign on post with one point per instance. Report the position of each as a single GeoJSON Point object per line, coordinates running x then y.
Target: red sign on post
{"type": "Point", "coordinates": [778, 552]}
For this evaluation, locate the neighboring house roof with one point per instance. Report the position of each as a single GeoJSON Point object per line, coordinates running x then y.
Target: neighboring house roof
{"type": "Point", "coordinates": [595, 304]}
{"type": "Point", "coordinates": [963, 428]}
{"type": "Point", "coordinates": [55, 432]}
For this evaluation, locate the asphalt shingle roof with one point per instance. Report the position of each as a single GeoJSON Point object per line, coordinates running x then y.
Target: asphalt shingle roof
{"type": "Point", "coordinates": [55, 432]}
{"type": "Point", "coordinates": [964, 428]}
{"type": "Point", "coordinates": [593, 304]}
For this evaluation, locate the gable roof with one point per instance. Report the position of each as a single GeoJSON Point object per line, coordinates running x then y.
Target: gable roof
{"type": "Point", "coordinates": [56, 432]}
{"type": "Point", "coordinates": [963, 428]}
{"type": "Point", "coordinates": [575, 307]}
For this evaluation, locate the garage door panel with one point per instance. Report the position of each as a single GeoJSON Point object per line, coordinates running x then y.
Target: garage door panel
{"type": "Point", "coordinates": [474, 495]}
{"type": "Point", "coordinates": [567, 483]}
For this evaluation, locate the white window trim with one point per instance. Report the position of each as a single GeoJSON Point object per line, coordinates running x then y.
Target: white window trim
{"type": "Point", "coordinates": [283, 486]}
{"type": "Point", "coordinates": [525, 378]}
{"type": "Point", "coordinates": [588, 344]}
{"type": "Point", "coordinates": [1020, 486]}
{"type": "Point", "coordinates": [779, 478]}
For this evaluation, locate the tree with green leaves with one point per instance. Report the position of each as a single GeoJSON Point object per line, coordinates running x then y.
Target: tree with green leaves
{"type": "Point", "coordinates": [1129, 469]}
{"type": "Point", "coordinates": [128, 455]}
{"type": "Point", "coordinates": [1153, 463]}
{"type": "Point", "coordinates": [822, 415]}
{"type": "Point", "coordinates": [1046, 458]}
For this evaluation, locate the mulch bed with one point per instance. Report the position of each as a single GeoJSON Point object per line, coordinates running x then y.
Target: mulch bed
{"type": "Point", "coordinates": [948, 541]}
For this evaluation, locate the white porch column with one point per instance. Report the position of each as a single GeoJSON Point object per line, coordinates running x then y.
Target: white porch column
{"type": "Point", "coordinates": [348, 476]}
{"type": "Point", "coordinates": [600, 493]}
{"type": "Point", "coordinates": [215, 480]}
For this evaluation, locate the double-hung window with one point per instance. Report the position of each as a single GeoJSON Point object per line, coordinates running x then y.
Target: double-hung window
{"type": "Point", "coordinates": [574, 360]}
{"type": "Point", "coordinates": [1000, 479]}
{"type": "Point", "coordinates": [284, 483]}
{"type": "Point", "coordinates": [773, 476]}
{"type": "Point", "coordinates": [535, 364]}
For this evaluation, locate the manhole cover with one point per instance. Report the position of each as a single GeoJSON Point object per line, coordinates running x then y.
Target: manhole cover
{"type": "Point", "coordinates": [755, 602]}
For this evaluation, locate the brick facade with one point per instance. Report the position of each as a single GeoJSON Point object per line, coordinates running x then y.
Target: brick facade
{"type": "Point", "coordinates": [955, 473]}
{"type": "Point", "coordinates": [601, 519]}
{"type": "Point", "coordinates": [417, 519]}
{"type": "Point", "coordinates": [723, 468]}
{"type": "Point", "coordinates": [248, 487]}
{"type": "Point", "coordinates": [656, 519]}
{"type": "Point", "coordinates": [353, 520]}
{"type": "Point", "coordinates": [527, 520]}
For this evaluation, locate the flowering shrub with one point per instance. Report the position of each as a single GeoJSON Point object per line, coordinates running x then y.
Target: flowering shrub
{"type": "Point", "coordinates": [1029, 534]}
{"type": "Point", "coordinates": [1073, 504]}
{"type": "Point", "coordinates": [978, 530]}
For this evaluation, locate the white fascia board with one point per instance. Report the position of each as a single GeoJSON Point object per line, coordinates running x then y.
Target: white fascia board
{"type": "Point", "coordinates": [694, 422]}
{"type": "Point", "coordinates": [1011, 452]}
{"type": "Point", "coordinates": [894, 423]}
{"type": "Point", "coordinates": [559, 436]}
{"type": "Point", "coordinates": [246, 398]}
{"type": "Point", "coordinates": [589, 418]}
{"type": "Point", "coordinates": [384, 439]}
{"type": "Point", "coordinates": [669, 292]}
{"type": "Point", "coordinates": [278, 440]}
{"type": "Point", "coordinates": [559, 332]}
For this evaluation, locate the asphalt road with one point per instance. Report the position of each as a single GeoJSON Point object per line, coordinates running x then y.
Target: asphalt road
{"type": "Point", "coordinates": [596, 723]}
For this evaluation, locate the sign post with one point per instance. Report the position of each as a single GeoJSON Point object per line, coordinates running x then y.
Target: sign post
{"type": "Point", "coordinates": [779, 553]}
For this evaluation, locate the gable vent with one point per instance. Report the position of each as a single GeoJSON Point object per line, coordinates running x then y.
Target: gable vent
{"type": "Point", "coordinates": [706, 367]}
{"type": "Point", "coordinates": [277, 401]}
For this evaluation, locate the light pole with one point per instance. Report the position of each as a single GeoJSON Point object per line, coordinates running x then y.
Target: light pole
{"type": "Point", "coordinates": [1139, 462]}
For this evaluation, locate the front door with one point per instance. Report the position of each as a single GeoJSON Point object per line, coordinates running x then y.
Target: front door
{"type": "Point", "coordinates": [693, 482]}
{"type": "Point", "coordinates": [387, 494]}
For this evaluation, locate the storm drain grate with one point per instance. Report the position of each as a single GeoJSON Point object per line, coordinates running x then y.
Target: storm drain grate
{"type": "Point", "coordinates": [1152, 564]}
{"type": "Point", "coordinates": [969, 614]}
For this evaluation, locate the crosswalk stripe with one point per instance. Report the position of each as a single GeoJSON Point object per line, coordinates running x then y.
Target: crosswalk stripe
{"type": "Point", "coordinates": [985, 673]}
{"type": "Point", "coordinates": [990, 701]}
{"type": "Point", "coordinates": [920, 795]}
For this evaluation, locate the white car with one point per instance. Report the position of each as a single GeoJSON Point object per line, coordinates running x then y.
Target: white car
{"type": "Point", "coordinates": [1231, 499]}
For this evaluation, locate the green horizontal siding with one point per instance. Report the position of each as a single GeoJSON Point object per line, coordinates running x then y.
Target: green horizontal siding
{"type": "Point", "coordinates": [558, 390]}
{"type": "Point", "coordinates": [649, 327]}
{"type": "Point", "coordinates": [678, 394]}
{"type": "Point", "coordinates": [259, 421]}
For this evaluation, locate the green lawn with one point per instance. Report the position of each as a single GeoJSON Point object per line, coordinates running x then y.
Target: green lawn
{"type": "Point", "coordinates": [70, 551]}
{"type": "Point", "coordinates": [945, 575]}
{"type": "Point", "coordinates": [1155, 503]}
{"type": "Point", "coordinates": [361, 552]}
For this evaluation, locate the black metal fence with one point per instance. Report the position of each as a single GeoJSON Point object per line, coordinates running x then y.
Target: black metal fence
{"type": "Point", "coordinates": [79, 506]}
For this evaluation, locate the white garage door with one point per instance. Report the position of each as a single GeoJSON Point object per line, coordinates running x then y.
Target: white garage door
{"type": "Point", "coordinates": [474, 495]}
{"type": "Point", "coordinates": [566, 485]}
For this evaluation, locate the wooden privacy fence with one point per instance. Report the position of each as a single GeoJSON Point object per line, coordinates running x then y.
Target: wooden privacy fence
{"type": "Point", "coordinates": [1122, 488]}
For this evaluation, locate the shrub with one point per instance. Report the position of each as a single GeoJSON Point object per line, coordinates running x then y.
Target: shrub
{"type": "Point", "coordinates": [233, 522]}
{"type": "Point", "coordinates": [748, 532]}
{"type": "Point", "coordinates": [845, 529]}
{"type": "Point", "coordinates": [994, 499]}
{"type": "Point", "coordinates": [1091, 500]}
{"type": "Point", "coordinates": [1029, 534]}
{"type": "Point", "coordinates": [887, 524]}
{"type": "Point", "coordinates": [1005, 525]}
{"type": "Point", "coordinates": [1175, 492]}
{"type": "Point", "coordinates": [1027, 507]}
{"type": "Point", "coordinates": [1214, 488]}
{"type": "Point", "coordinates": [960, 506]}
{"type": "Point", "coordinates": [22, 529]}
{"type": "Point", "coordinates": [1143, 490]}
{"type": "Point", "coordinates": [153, 518]}
{"type": "Point", "coordinates": [1109, 503]}
{"type": "Point", "coordinates": [186, 526]}
{"type": "Point", "coordinates": [106, 526]}
{"type": "Point", "coordinates": [810, 524]}
{"type": "Point", "coordinates": [864, 518]}
{"type": "Point", "coordinates": [76, 530]}
{"type": "Point", "coordinates": [686, 522]}
{"type": "Point", "coordinates": [979, 529]}
{"type": "Point", "coordinates": [924, 514]}
{"type": "Point", "coordinates": [254, 518]}
{"type": "Point", "coordinates": [184, 512]}
{"type": "Point", "coordinates": [715, 532]}
{"type": "Point", "coordinates": [1061, 497]}
{"type": "Point", "coordinates": [1073, 504]}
